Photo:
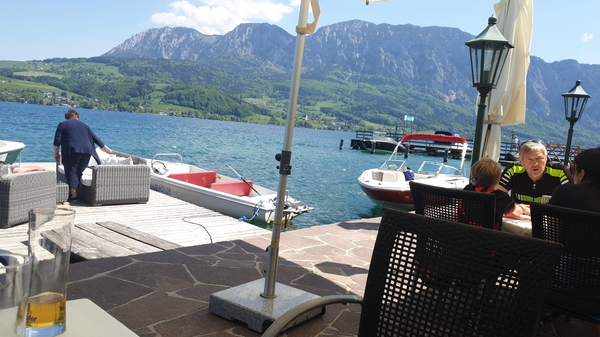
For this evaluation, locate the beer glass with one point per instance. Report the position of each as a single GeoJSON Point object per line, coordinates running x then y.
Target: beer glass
{"type": "Point", "coordinates": [15, 273]}
{"type": "Point", "coordinates": [50, 236]}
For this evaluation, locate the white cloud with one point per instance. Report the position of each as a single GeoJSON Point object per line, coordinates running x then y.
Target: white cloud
{"type": "Point", "coordinates": [587, 37]}
{"type": "Point", "coordinates": [220, 16]}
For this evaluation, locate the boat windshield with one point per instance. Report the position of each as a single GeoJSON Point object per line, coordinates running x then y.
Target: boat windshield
{"type": "Point", "coordinates": [436, 168]}
{"type": "Point", "coordinates": [393, 164]}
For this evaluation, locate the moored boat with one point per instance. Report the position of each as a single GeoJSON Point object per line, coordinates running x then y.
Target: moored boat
{"type": "Point", "coordinates": [389, 184]}
{"type": "Point", "coordinates": [376, 142]}
{"type": "Point", "coordinates": [238, 198]}
{"type": "Point", "coordinates": [10, 151]}
{"type": "Point", "coordinates": [380, 143]}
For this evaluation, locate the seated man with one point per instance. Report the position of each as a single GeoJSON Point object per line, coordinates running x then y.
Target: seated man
{"type": "Point", "coordinates": [485, 175]}
{"type": "Point", "coordinates": [532, 179]}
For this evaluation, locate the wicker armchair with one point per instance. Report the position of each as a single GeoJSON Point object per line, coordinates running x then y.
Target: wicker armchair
{"type": "Point", "coordinates": [117, 184]}
{"type": "Point", "coordinates": [512, 275]}
{"type": "Point", "coordinates": [21, 192]}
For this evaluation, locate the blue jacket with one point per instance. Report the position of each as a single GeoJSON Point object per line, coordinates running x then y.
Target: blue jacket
{"type": "Point", "coordinates": [74, 136]}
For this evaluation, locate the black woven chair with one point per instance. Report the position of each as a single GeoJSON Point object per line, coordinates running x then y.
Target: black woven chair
{"type": "Point", "coordinates": [575, 288]}
{"type": "Point", "coordinates": [468, 207]}
{"type": "Point", "coordinates": [398, 302]}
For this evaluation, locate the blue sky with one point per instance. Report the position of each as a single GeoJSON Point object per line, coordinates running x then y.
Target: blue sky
{"type": "Point", "coordinates": [38, 29]}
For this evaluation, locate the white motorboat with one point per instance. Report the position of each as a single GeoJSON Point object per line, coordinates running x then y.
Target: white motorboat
{"type": "Point", "coordinates": [388, 184]}
{"type": "Point", "coordinates": [238, 198]}
{"type": "Point", "coordinates": [10, 151]}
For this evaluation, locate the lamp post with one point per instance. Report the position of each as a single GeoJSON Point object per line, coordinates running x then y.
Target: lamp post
{"type": "Point", "coordinates": [575, 101]}
{"type": "Point", "coordinates": [488, 52]}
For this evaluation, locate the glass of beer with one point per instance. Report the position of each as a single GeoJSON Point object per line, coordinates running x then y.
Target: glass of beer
{"type": "Point", "coordinates": [15, 273]}
{"type": "Point", "coordinates": [50, 236]}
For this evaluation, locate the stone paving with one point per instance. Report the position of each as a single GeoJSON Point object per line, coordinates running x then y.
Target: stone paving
{"type": "Point", "coordinates": [166, 294]}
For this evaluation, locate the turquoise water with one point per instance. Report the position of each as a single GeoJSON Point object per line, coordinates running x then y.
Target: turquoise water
{"type": "Point", "coordinates": [323, 176]}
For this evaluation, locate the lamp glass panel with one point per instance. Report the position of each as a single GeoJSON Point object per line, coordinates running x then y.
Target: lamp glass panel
{"type": "Point", "coordinates": [576, 109]}
{"type": "Point", "coordinates": [504, 50]}
{"type": "Point", "coordinates": [489, 63]}
{"type": "Point", "coordinates": [567, 108]}
{"type": "Point", "coordinates": [476, 56]}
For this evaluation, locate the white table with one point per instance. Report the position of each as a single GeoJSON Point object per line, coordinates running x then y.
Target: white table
{"type": "Point", "coordinates": [84, 318]}
{"type": "Point", "coordinates": [519, 227]}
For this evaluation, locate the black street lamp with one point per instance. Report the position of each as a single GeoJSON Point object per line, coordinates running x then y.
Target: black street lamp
{"type": "Point", "coordinates": [575, 101]}
{"type": "Point", "coordinates": [489, 51]}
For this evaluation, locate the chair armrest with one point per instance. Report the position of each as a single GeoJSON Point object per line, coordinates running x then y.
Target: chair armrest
{"type": "Point", "coordinates": [31, 178]}
{"type": "Point", "coordinates": [289, 316]}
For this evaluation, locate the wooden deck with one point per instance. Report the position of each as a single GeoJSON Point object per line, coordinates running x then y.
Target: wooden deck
{"type": "Point", "coordinates": [161, 223]}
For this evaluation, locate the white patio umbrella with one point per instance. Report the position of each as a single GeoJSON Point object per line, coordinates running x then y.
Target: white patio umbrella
{"type": "Point", "coordinates": [507, 102]}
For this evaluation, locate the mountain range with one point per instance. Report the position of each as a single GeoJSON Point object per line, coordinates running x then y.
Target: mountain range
{"type": "Point", "coordinates": [430, 60]}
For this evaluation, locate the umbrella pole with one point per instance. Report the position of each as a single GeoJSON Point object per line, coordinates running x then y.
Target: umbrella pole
{"type": "Point", "coordinates": [286, 154]}
{"type": "Point", "coordinates": [245, 302]}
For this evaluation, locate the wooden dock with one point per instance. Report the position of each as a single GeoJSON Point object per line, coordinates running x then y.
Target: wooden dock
{"type": "Point", "coordinates": [556, 152]}
{"type": "Point", "coordinates": [164, 219]}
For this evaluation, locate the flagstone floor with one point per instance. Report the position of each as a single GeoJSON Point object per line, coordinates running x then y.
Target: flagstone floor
{"type": "Point", "coordinates": [166, 294]}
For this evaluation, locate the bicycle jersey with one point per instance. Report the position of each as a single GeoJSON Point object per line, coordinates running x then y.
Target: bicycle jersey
{"type": "Point", "coordinates": [524, 190]}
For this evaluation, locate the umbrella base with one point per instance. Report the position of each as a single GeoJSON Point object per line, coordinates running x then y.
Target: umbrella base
{"type": "Point", "coordinates": [244, 303]}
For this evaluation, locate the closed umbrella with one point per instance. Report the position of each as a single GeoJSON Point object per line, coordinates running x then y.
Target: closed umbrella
{"type": "Point", "coordinates": [507, 102]}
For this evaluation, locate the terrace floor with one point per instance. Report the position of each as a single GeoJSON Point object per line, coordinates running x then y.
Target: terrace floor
{"type": "Point", "coordinates": [166, 293]}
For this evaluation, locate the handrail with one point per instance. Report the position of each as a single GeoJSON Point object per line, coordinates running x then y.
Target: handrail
{"type": "Point", "coordinates": [168, 154]}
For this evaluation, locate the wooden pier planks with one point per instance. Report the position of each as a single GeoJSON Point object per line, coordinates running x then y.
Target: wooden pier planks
{"type": "Point", "coordinates": [164, 221]}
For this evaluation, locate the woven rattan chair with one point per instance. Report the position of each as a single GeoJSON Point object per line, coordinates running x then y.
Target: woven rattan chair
{"type": "Point", "coordinates": [512, 275]}
{"type": "Point", "coordinates": [575, 288]}
{"type": "Point", "coordinates": [117, 184]}
{"type": "Point", "coordinates": [21, 192]}
{"type": "Point", "coordinates": [468, 207]}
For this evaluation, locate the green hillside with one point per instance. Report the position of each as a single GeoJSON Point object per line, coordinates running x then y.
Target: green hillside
{"type": "Point", "coordinates": [190, 89]}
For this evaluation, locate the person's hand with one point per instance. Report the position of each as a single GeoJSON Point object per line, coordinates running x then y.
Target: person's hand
{"type": "Point", "coordinates": [526, 209]}
{"type": "Point", "coordinates": [107, 149]}
{"type": "Point", "coordinates": [57, 158]}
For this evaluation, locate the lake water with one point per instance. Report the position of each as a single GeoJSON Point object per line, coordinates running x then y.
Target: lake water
{"type": "Point", "coordinates": [323, 176]}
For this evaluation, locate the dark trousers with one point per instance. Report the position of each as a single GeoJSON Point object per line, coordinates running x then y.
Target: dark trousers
{"type": "Point", "coordinates": [74, 165]}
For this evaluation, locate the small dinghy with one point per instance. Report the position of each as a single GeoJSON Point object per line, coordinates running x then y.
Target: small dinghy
{"type": "Point", "coordinates": [239, 198]}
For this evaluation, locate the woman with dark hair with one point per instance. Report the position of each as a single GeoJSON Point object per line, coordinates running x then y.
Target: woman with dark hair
{"type": "Point", "coordinates": [77, 142]}
{"type": "Point", "coordinates": [584, 194]}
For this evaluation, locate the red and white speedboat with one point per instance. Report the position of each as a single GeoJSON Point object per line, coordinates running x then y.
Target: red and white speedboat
{"type": "Point", "coordinates": [388, 184]}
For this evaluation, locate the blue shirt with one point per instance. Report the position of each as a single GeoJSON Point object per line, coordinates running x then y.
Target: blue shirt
{"type": "Point", "coordinates": [74, 136]}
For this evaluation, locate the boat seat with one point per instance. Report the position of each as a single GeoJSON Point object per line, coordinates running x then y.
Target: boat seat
{"type": "Point", "coordinates": [392, 177]}
{"type": "Point", "coordinates": [238, 188]}
{"type": "Point", "coordinates": [203, 179]}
